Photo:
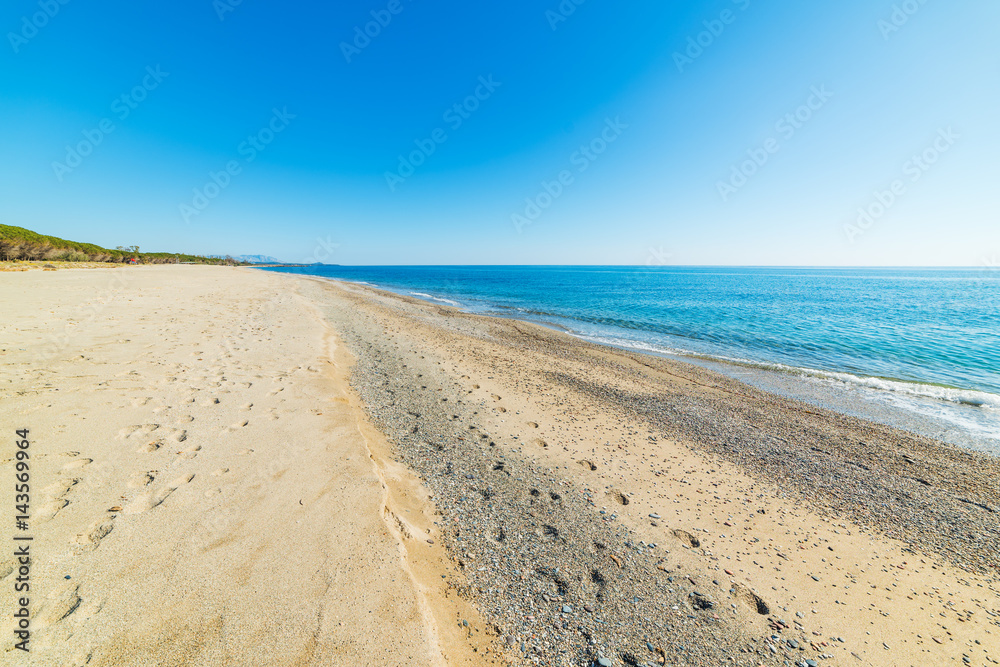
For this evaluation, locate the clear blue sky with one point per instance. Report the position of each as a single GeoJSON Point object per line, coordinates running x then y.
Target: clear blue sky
{"type": "Point", "coordinates": [199, 78]}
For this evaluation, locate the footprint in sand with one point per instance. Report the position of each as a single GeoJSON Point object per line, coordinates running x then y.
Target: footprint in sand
{"type": "Point", "coordinates": [189, 453]}
{"type": "Point", "coordinates": [141, 479]}
{"type": "Point", "coordinates": [235, 427]}
{"type": "Point", "coordinates": [211, 493]}
{"type": "Point", "coordinates": [588, 464]}
{"type": "Point", "coordinates": [59, 605]}
{"type": "Point", "coordinates": [89, 539]}
{"type": "Point", "coordinates": [48, 510]}
{"type": "Point", "coordinates": [533, 424]}
{"type": "Point", "coordinates": [148, 501]}
{"type": "Point", "coordinates": [60, 488]}
{"type": "Point", "coordinates": [220, 472]}
{"type": "Point", "coordinates": [76, 465]}
{"type": "Point", "coordinates": [138, 430]}
{"type": "Point", "coordinates": [618, 496]}
{"type": "Point", "coordinates": [153, 442]}
{"type": "Point", "coordinates": [686, 538]}
{"type": "Point", "coordinates": [54, 502]}
{"type": "Point", "coordinates": [751, 599]}
{"type": "Point", "coordinates": [538, 442]}
{"type": "Point", "coordinates": [210, 402]}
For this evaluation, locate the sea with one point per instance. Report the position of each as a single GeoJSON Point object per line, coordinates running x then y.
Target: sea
{"type": "Point", "coordinates": [918, 349]}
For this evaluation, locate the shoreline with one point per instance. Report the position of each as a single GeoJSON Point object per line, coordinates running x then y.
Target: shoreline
{"type": "Point", "coordinates": [890, 503]}
{"type": "Point", "coordinates": [499, 493]}
{"type": "Point", "coordinates": [909, 405]}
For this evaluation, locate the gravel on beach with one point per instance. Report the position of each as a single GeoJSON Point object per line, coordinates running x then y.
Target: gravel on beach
{"type": "Point", "coordinates": [564, 584]}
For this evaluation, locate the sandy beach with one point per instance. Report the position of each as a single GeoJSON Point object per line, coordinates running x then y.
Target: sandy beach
{"type": "Point", "coordinates": [205, 489]}
{"type": "Point", "coordinates": [234, 467]}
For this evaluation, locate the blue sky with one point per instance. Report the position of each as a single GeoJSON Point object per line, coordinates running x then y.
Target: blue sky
{"type": "Point", "coordinates": [728, 132]}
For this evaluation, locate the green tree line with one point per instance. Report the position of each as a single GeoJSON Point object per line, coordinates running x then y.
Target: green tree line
{"type": "Point", "coordinates": [18, 243]}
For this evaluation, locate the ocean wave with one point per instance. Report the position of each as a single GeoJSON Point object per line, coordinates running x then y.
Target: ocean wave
{"type": "Point", "coordinates": [964, 397]}
{"type": "Point", "coordinates": [422, 295]}
{"type": "Point", "coordinates": [967, 397]}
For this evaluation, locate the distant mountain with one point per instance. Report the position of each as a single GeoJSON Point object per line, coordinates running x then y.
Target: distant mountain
{"type": "Point", "coordinates": [257, 259]}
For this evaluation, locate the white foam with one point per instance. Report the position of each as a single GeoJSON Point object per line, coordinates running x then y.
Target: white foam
{"type": "Point", "coordinates": [965, 397]}
{"type": "Point", "coordinates": [436, 298]}
{"type": "Point", "coordinates": [974, 412]}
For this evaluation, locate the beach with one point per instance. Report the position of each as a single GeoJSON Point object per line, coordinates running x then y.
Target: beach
{"type": "Point", "coordinates": [231, 466]}
{"type": "Point", "coordinates": [205, 489]}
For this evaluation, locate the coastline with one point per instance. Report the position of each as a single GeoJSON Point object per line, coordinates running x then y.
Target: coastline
{"type": "Point", "coordinates": [893, 505]}
{"type": "Point", "coordinates": [938, 403]}
{"type": "Point", "coordinates": [463, 472]}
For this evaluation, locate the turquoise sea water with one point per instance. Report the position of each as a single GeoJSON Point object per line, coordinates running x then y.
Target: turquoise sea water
{"type": "Point", "coordinates": [921, 344]}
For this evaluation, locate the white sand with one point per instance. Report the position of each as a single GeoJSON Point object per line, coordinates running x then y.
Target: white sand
{"type": "Point", "coordinates": [205, 490]}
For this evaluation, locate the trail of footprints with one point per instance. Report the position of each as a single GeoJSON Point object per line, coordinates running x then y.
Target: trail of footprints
{"type": "Point", "coordinates": [152, 436]}
{"type": "Point", "coordinates": [144, 490]}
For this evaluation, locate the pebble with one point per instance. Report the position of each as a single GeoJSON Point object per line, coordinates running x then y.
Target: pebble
{"type": "Point", "coordinates": [507, 583]}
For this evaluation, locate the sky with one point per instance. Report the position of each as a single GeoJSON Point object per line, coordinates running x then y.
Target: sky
{"type": "Point", "coordinates": [729, 132]}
